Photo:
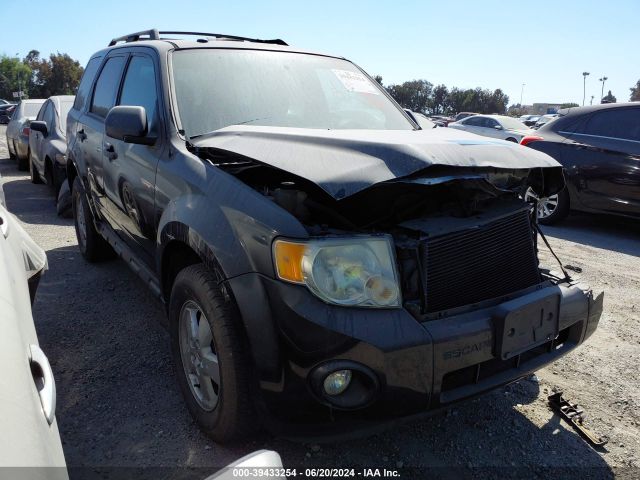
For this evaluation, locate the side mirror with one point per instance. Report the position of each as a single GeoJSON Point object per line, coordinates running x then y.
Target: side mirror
{"type": "Point", "coordinates": [128, 124]}
{"type": "Point", "coordinates": [40, 126]}
{"type": "Point", "coordinates": [497, 127]}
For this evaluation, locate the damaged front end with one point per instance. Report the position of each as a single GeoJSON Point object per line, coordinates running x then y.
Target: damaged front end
{"type": "Point", "coordinates": [462, 235]}
{"type": "Point", "coordinates": [434, 238]}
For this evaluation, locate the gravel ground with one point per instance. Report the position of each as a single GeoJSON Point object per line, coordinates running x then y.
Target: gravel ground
{"type": "Point", "coordinates": [119, 404]}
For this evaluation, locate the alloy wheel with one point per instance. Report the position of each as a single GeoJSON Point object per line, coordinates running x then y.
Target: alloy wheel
{"type": "Point", "coordinates": [199, 357]}
{"type": "Point", "coordinates": [546, 206]}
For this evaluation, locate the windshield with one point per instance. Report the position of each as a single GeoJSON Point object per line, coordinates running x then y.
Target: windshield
{"type": "Point", "coordinates": [512, 124]}
{"type": "Point", "coordinates": [216, 88]}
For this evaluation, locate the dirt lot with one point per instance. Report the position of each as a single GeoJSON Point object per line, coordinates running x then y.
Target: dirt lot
{"type": "Point", "coordinates": [119, 404]}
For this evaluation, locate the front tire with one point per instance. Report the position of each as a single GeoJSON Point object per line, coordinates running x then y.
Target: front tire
{"type": "Point", "coordinates": [92, 246]}
{"type": "Point", "coordinates": [210, 353]}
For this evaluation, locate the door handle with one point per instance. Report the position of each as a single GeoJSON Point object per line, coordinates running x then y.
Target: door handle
{"type": "Point", "coordinates": [110, 151]}
{"type": "Point", "coordinates": [81, 135]}
{"type": "Point", "coordinates": [43, 378]}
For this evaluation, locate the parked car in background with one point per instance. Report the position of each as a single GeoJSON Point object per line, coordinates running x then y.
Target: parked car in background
{"type": "Point", "coordinates": [3, 101]}
{"type": "Point", "coordinates": [529, 120]}
{"type": "Point", "coordinates": [422, 120]}
{"type": "Point", "coordinates": [18, 130]}
{"type": "Point", "coordinates": [544, 119]}
{"type": "Point", "coordinates": [496, 126]}
{"type": "Point", "coordinates": [48, 142]}
{"type": "Point", "coordinates": [441, 120]}
{"type": "Point", "coordinates": [28, 424]}
{"type": "Point", "coordinates": [6, 110]}
{"type": "Point", "coordinates": [323, 262]}
{"type": "Point", "coordinates": [599, 148]}
{"type": "Point", "coordinates": [462, 115]}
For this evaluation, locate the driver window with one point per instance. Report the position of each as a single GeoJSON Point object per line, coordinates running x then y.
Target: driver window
{"type": "Point", "coordinates": [139, 88]}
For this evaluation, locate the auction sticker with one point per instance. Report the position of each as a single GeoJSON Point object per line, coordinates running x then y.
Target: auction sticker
{"type": "Point", "coordinates": [355, 81]}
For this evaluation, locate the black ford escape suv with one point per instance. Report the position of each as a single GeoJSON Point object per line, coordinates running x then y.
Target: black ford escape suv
{"type": "Point", "coordinates": [322, 259]}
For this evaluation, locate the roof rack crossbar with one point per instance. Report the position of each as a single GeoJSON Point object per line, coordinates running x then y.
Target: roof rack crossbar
{"type": "Point", "coordinates": [134, 37]}
{"type": "Point", "coordinates": [275, 41]}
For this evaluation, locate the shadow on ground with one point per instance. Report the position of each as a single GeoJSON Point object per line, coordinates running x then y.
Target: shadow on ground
{"type": "Point", "coordinates": [607, 232]}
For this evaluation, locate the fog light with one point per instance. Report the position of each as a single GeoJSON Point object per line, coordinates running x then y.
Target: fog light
{"type": "Point", "coordinates": [337, 382]}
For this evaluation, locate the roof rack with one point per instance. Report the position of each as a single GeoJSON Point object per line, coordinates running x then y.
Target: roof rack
{"type": "Point", "coordinates": [154, 34]}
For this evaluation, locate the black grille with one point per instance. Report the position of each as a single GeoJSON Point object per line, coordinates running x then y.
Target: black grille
{"type": "Point", "coordinates": [480, 263]}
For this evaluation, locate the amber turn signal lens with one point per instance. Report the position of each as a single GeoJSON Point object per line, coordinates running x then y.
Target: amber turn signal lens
{"type": "Point", "coordinates": [288, 259]}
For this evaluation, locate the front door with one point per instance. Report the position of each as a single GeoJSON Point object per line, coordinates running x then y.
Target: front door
{"type": "Point", "coordinates": [130, 169]}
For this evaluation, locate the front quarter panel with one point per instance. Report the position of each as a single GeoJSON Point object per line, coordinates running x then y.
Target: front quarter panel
{"type": "Point", "coordinates": [218, 216]}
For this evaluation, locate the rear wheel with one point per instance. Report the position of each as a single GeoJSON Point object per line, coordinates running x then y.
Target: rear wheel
{"type": "Point", "coordinates": [550, 209]}
{"type": "Point", "coordinates": [92, 246]}
{"type": "Point", "coordinates": [511, 139]}
{"type": "Point", "coordinates": [35, 176]}
{"type": "Point", "coordinates": [23, 163]}
{"type": "Point", "coordinates": [213, 366]}
{"type": "Point", "coordinates": [12, 154]}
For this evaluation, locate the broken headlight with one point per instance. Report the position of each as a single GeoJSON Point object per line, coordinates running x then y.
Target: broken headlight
{"type": "Point", "coordinates": [356, 271]}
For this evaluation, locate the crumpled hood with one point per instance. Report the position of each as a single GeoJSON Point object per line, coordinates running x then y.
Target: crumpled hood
{"type": "Point", "coordinates": [344, 162]}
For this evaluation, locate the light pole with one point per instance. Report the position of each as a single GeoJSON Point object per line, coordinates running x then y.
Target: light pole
{"type": "Point", "coordinates": [521, 93]}
{"type": "Point", "coordinates": [584, 86]}
{"type": "Point", "coordinates": [603, 79]}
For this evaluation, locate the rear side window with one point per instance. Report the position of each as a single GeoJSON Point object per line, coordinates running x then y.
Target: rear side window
{"type": "Point", "coordinates": [139, 88]}
{"type": "Point", "coordinates": [621, 123]}
{"type": "Point", "coordinates": [85, 83]}
{"type": "Point", "coordinates": [104, 96]}
{"type": "Point", "coordinates": [475, 122]}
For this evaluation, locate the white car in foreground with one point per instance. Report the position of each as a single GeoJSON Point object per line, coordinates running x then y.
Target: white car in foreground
{"type": "Point", "coordinates": [496, 126]}
{"type": "Point", "coordinates": [29, 431]}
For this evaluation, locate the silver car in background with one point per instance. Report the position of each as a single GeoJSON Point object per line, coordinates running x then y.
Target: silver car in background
{"type": "Point", "coordinates": [48, 142]}
{"type": "Point", "coordinates": [18, 130]}
{"type": "Point", "coordinates": [496, 126]}
{"type": "Point", "coordinates": [28, 424]}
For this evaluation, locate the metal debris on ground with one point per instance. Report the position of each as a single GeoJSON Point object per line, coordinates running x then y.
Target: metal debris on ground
{"type": "Point", "coordinates": [573, 414]}
{"type": "Point", "coordinates": [573, 268]}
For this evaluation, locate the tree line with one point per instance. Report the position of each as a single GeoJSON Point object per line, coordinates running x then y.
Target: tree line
{"type": "Point", "coordinates": [39, 77]}
{"type": "Point", "coordinates": [424, 97]}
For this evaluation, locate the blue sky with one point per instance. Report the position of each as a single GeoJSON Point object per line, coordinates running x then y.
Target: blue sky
{"type": "Point", "coordinates": [488, 43]}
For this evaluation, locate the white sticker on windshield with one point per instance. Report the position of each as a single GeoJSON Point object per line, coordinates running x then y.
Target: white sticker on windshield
{"type": "Point", "coordinates": [355, 82]}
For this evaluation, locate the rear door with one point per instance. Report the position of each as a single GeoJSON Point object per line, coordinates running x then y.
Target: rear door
{"type": "Point", "coordinates": [474, 125]}
{"type": "Point", "coordinates": [90, 133]}
{"type": "Point", "coordinates": [130, 169]}
{"type": "Point", "coordinates": [604, 153]}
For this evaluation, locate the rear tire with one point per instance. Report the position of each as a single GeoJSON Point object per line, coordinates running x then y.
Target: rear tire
{"type": "Point", "coordinates": [23, 163]}
{"type": "Point", "coordinates": [220, 398]}
{"type": "Point", "coordinates": [511, 139]}
{"type": "Point", "coordinates": [35, 176]}
{"type": "Point", "coordinates": [92, 246]}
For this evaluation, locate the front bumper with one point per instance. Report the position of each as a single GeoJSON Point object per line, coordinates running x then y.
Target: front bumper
{"type": "Point", "coordinates": [418, 365]}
